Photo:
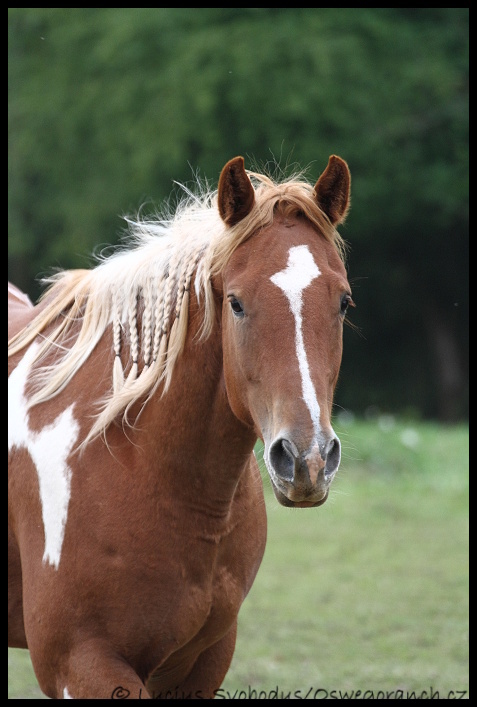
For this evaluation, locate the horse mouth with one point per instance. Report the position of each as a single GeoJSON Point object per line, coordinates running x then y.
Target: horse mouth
{"type": "Point", "coordinates": [305, 502]}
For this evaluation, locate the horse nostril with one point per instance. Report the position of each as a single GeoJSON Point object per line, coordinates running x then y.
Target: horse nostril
{"type": "Point", "coordinates": [283, 457]}
{"type": "Point", "coordinates": [333, 457]}
{"type": "Point", "coordinates": [290, 466]}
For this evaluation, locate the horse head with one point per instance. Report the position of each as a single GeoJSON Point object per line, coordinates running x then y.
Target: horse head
{"type": "Point", "coordinates": [284, 296]}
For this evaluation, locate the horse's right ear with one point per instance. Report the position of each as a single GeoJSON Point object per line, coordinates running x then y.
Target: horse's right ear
{"type": "Point", "coordinates": [236, 193]}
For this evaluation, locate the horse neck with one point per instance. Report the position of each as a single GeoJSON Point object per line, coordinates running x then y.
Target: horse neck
{"type": "Point", "coordinates": [202, 448]}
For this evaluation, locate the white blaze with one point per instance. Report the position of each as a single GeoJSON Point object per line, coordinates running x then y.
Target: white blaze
{"type": "Point", "coordinates": [301, 270]}
{"type": "Point", "coordinates": [49, 449]}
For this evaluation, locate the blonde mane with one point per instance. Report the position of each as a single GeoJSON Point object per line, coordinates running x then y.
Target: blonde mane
{"type": "Point", "coordinates": [149, 282]}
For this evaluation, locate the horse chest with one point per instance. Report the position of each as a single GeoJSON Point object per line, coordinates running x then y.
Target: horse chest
{"type": "Point", "coordinates": [201, 615]}
{"type": "Point", "coordinates": [204, 611]}
{"type": "Point", "coordinates": [216, 574]}
{"type": "Point", "coordinates": [215, 571]}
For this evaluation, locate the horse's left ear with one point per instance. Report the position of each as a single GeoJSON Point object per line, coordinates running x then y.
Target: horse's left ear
{"type": "Point", "coordinates": [333, 190]}
{"type": "Point", "coordinates": [236, 192]}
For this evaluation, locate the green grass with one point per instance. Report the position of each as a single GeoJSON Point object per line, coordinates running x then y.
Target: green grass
{"type": "Point", "coordinates": [368, 592]}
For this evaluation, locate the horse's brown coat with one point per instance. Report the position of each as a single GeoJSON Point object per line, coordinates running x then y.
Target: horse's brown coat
{"type": "Point", "coordinates": [166, 524]}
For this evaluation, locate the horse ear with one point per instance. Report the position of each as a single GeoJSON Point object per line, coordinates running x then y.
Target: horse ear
{"type": "Point", "coordinates": [236, 193]}
{"type": "Point", "coordinates": [333, 190]}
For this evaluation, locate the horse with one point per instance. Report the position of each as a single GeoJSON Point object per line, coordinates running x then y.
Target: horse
{"type": "Point", "coordinates": [138, 389]}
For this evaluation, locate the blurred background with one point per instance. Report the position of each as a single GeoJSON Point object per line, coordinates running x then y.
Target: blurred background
{"type": "Point", "coordinates": [108, 107]}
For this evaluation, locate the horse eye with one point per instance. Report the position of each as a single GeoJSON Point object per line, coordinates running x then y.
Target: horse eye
{"type": "Point", "coordinates": [237, 308]}
{"type": "Point", "coordinates": [346, 302]}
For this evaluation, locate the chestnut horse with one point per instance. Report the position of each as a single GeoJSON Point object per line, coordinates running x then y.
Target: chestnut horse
{"type": "Point", "coordinates": [137, 391]}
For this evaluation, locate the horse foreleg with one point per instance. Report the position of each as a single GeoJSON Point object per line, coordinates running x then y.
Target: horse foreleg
{"type": "Point", "coordinates": [16, 628]}
{"type": "Point", "coordinates": [207, 674]}
{"type": "Point", "coordinates": [92, 670]}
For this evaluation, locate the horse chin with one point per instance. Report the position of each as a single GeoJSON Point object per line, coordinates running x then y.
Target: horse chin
{"type": "Point", "coordinates": [304, 503]}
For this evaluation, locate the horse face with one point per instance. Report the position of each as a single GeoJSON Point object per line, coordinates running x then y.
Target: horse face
{"type": "Point", "coordinates": [285, 294]}
{"type": "Point", "coordinates": [282, 324]}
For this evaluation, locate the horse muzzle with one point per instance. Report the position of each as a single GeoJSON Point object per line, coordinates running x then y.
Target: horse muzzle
{"type": "Point", "coordinates": [302, 479]}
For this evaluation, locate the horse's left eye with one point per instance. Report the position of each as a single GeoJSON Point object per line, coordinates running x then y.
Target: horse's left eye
{"type": "Point", "coordinates": [237, 308]}
{"type": "Point", "coordinates": [346, 302]}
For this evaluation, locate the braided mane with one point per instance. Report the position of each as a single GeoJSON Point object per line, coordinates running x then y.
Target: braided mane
{"type": "Point", "coordinates": [149, 281]}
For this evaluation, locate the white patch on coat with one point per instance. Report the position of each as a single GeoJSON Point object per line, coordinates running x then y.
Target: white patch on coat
{"type": "Point", "coordinates": [19, 295]}
{"type": "Point", "coordinates": [300, 272]}
{"type": "Point", "coordinates": [49, 449]}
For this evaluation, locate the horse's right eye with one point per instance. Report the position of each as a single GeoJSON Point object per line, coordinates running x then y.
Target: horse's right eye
{"type": "Point", "coordinates": [237, 308]}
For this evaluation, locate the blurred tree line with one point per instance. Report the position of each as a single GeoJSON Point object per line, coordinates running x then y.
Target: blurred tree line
{"type": "Point", "coordinates": [108, 106]}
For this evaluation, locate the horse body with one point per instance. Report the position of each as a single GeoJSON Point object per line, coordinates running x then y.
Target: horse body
{"type": "Point", "coordinates": [133, 549]}
{"type": "Point", "coordinates": [154, 539]}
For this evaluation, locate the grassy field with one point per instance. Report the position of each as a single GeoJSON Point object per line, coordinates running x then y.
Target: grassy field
{"type": "Point", "coordinates": [366, 596]}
